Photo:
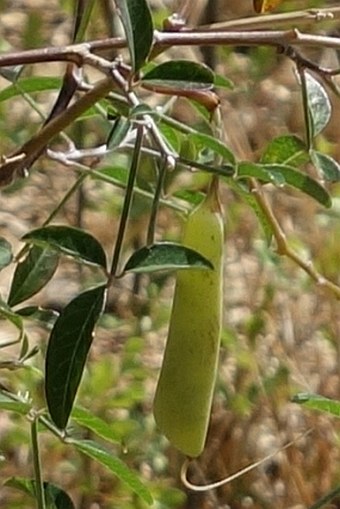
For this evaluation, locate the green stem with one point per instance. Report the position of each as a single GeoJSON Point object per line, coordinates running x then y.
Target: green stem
{"type": "Point", "coordinates": [39, 485]}
{"type": "Point", "coordinates": [306, 112]}
{"type": "Point", "coordinates": [128, 199]}
{"type": "Point", "coordinates": [155, 202]}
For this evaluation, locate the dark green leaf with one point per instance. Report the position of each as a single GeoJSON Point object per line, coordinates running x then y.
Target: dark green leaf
{"type": "Point", "coordinates": [30, 85]}
{"type": "Point", "coordinates": [180, 74]}
{"type": "Point", "coordinates": [6, 254]}
{"type": "Point", "coordinates": [287, 149]}
{"type": "Point", "coordinates": [94, 423]}
{"type": "Point", "coordinates": [137, 22]}
{"type": "Point", "coordinates": [327, 166]}
{"type": "Point", "coordinates": [115, 465]}
{"type": "Point", "coordinates": [283, 174]}
{"type": "Point", "coordinates": [316, 402]}
{"type": "Point", "coordinates": [71, 241]}
{"type": "Point", "coordinates": [18, 407]}
{"type": "Point", "coordinates": [319, 105]}
{"type": "Point", "coordinates": [67, 351]}
{"type": "Point", "coordinates": [118, 132]}
{"type": "Point", "coordinates": [166, 256]}
{"type": "Point", "coordinates": [32, 274]}
{"type": "Point", "coordinates": [55, 497]}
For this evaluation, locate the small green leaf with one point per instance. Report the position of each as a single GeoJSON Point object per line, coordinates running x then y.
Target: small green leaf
{"type": "Point", "coordinates": [283, 174]}
{"type": "Point", "coordinates": [11, 72]}
{"type": "Point", "coordinates": [18, 407]}
{"type": "Point", "coordinates": [250, 199]}
{"type": "Point", "coordinates": [55, 497]}
{"type": "Point", "coordinates": [94, 423]}
{"type": "Point", "coordinates": [166, 256]}
{"type": "Point", "coordinates": [137, 22]}
{"type": "Point", "coordinates": [15, 319]}
{"type": "Point", "coordinates": [316, 402]}
{"type": "Point", "coordinates": [205, 141]}
{"type": "Point", "coordinates": [288, 149]}
{"type": "Point", "coordinates": [115, 465]}
{"type": "Point", "coordinates": [71, 241]}
{"type": "Point", "coordinates": [319, 105]}
{"type": "Point", "coordinates": [6, 254]}
{"type": "Point", "coordinates": [327, 166]}
{"type": "Point", "coordinates": [180, 74]}
{"type": "Point", "coordinates": [67, 350]}
{"type": "Point", "coordinates": [82, 19]}
{"type": "Point", "coordinates": [46, 317]}
{"type": "Point", "coordinates": [223, 82]}
{"type": "Point", "coordinates": [29, 86]}
{"type": "Point", "coordinates": [32, 274]}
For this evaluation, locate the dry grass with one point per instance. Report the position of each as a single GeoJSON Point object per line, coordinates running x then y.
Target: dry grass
{"type": "Point", "coordinates": [281, 330]}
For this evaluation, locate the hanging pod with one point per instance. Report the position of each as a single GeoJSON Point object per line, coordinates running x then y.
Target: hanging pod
{"type": "Point", "coordinates": [186, 383]}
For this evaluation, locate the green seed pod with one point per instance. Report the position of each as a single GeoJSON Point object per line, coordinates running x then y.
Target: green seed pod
{"type": "Point", "coordinates": [185, 387]}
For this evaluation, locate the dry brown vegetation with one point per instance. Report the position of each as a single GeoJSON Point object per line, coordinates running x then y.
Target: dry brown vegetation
{"type": "Point", "coordinates": [281, 330]}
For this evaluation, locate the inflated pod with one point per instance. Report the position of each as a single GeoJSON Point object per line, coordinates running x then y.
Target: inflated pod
{"type": "Point", "coordinates": [185, 387]}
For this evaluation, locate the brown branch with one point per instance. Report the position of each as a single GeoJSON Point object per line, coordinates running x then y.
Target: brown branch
{"type": "Point", "coordinates": [283, 248]}
{"type": "Point", "coordinates": [18, 162]}
{"type": "Point", "coordinates": [80, 54]}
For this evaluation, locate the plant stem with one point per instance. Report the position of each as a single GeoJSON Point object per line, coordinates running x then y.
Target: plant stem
{"type": "Point", "coordinates": [39, 485]}
{"type": "Point", "coordinates": [128, 199]}
{"type": "Point", "coordinates": [31, 149]}
{"type": "Point", "coordinates": [155, 203]}
{"type": "Point", "coordinates": [283, 249]}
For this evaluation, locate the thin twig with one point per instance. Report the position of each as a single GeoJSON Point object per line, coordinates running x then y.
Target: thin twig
{"type": "Point", "coordinates": [283, 249]}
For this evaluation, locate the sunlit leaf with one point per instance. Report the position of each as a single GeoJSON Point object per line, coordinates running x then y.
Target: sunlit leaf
{"type": "Point", "coordinates": [97, 452]}
{"type": "Point", "coordinates": [287, 149]}
{"type": "Point", "coordinates": [283, 174]}
{"type": "Point", "coordinates": [32, 273]}
{"type": "Point", "coordinates": [94, 423]}
{"type": "Point", "coordinates": [71, 241]}
{"type": "Point", "coordinates": [137, 22]}
{"type": "Point", "coordinates": [223, 82]}
{"type": "Point", "coordinates": [67, 350]}
{"type": "Point", "coordinates": [18, 407]}
{"type": "Point", "coordinates": [30, 85]}
{"type": "Point", "coordinates": [205, 141]}
{"type": "Point", "coordinates": [316, 402]}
